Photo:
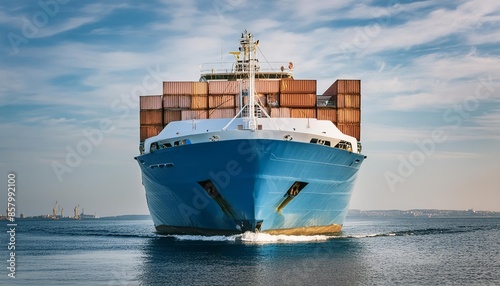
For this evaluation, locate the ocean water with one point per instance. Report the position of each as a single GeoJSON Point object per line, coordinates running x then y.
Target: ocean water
{"type": "Point", "coordinates": [370, 251]}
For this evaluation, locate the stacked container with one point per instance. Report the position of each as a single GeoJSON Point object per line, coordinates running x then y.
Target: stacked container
{"type": "Point", "coordinates": [151, 116]}
{"type": "Point", "coordinates": [299, 96]}
{"type": "Point", "coordinates": [285, 98]}
{"type": "Point", "coordinates": [347, 96]}
{"type": "Point", "coordinates": [184, 100]}
{"type": "Point", "coordinates": [222, 97]}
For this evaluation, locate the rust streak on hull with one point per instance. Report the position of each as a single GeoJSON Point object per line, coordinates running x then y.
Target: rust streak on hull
{"type": "Point", "coordinates": [309, 230]}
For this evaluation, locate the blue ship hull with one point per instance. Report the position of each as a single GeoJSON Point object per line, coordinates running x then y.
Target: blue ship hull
{"type": "Point", "coordinates": [233, 186]}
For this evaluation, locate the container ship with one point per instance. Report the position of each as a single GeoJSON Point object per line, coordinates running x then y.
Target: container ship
{"type": "Point", "coordinates": [250, 148]}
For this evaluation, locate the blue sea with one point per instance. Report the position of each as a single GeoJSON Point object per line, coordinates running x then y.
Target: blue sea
{"type": "Point", "coordinates": [369, 251]}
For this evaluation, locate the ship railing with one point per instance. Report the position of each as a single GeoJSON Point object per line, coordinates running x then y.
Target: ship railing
{"type": "Point", "coordinates": [241, 67]}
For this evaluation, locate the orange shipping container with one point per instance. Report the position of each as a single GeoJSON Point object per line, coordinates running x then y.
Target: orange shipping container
{"type": "Point", "coordinates": [199, 102]}
{"type": "Point", "coordinates": [221, 101]}
{"type": "Point", "coordinates": [200, 88]}
{"type": "Point", "coordinates": [303, 112]}
{"type": "Point", "coordinates": [327, 114]}
{"type": "Point", "coordinates": [267, 86]}
{"type": "Point", "coordinates": [298, 86]}
{"type": "Point", "coordinates": [280, 112]}
{"type": "Point", "coordinates": [223, 87]}
{"type": "Point", "coordinates": [297, 100]}
{"type": "Point", "coordinates": [170, 115]}
{"type": "Point", "coordinates": [348, 115]}
{"type": "Point", "coordinates": [150, 102]}
{"type": "Point", "coordinates": [349, 86]}
{"type": "Point", "coordinates": [353, 130]}
{"type": "Point", "coordinates": [149, 117]}
{"type": "Point", "coordinates": [348, 100]}
{"type": "Point", "coordinates": [260, 98]}
{"type": "Point", "coordinates": [184, 87]}
{"type": "Point", "coordinates": [221, 113]}
{"type": "Point", "coordinates": [147, 131]}
{"type": "Point", "coordinates": [193, 114]}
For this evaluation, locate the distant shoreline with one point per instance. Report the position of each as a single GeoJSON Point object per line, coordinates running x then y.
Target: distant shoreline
{"type": "Point", "coordinates": [422, 213]}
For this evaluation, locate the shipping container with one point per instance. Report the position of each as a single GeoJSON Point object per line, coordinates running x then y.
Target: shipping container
{"type": "Point", "coordinates": [221, 101]}
{"type": "Point", "coordinates": [150, 117]}
{"type": "Point", "coordinates": [260, 98]}
{"type": "Point", "coordinates": [353, 130]}
{"type": "Point", "coordinates": [280, 112]}
{"type": "Point", "coordinates": [298, 86]}
{"type": "Point", "coordinates": [200, 88]}
{"type": "Point", "coordinates": [327, 114]}
{"type": "Point", "coordinates": [221, 113]}
{"type": "Point", "coordinates": [223, 87]}
{"type": "Point", "coordinates": [150, 102]}
{"type": "Point", "coordinates": [185, 87]}
{"type": "Point", "coordinates": [170, 115]}
{"type": "Point", "coordinates": [267, 86]}
{"type": "Point", "coordinates": [348, 115]}
{"type": "Point", "coordinates": [347, 100]}
{"type": "Point", "coordinates": [348, 86]}
{"type": "Point", "coordinates": [184, 101]}
{"type": "Point", "coordinates": [298, 99]}
{"type": "Point", "coordinates": [303, 112]}
{"type": "Point", "coordinates": [199, 102]}
{"type": "Point", "coordinates": [147, 131]}
{"type": "Point", "coordinates": [194, 114]}
{"type": "Point", "coordinates": [171, 101]}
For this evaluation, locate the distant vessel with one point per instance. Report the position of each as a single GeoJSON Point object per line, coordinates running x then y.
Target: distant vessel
{"type": "Point", "coordinates": [250, 149]}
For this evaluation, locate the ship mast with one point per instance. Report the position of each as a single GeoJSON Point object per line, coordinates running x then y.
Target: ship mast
{"type": "Point", "coordinates": [249, 55]}
{"type": "Point", "coordinates": [249, 65]}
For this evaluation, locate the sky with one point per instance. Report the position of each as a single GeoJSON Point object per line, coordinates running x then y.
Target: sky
{"type": "Point", "coordinates": [72, 71]}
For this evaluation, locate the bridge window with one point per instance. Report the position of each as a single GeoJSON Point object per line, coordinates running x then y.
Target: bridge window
{"type": "Point", "coordinates": [320, 141]}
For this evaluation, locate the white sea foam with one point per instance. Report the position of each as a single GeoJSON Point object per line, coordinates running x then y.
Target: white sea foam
{"type": "Point", "coordinates": [205, 238]}
{"type": "Point", "coordinates": [251, 237]}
